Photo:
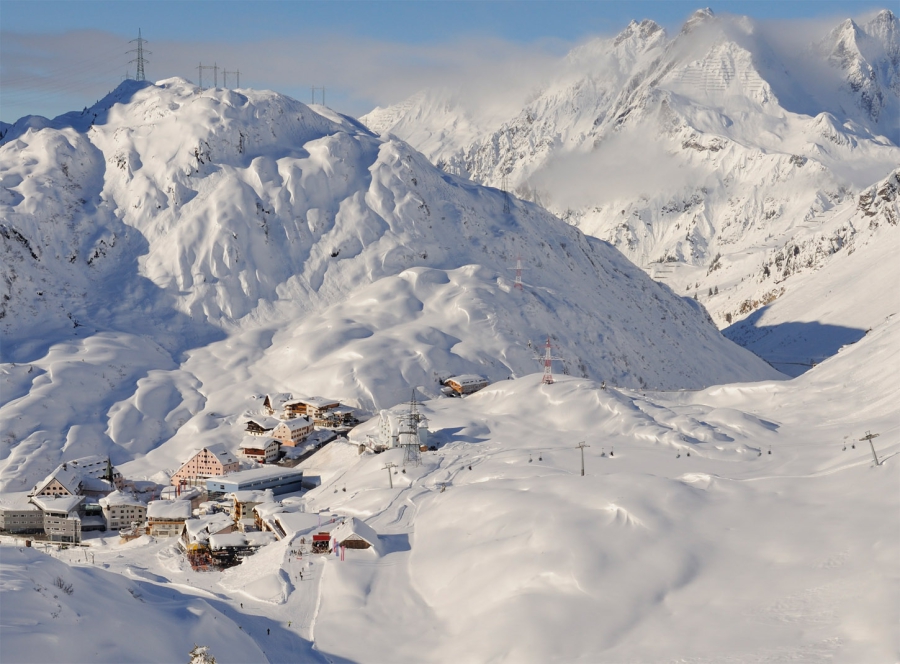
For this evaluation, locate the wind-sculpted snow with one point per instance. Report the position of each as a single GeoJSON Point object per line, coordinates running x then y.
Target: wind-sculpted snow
{"type": "Point", "coordinates": [690, 153]}
{"type": "Point", "coordinates": [222, 244]}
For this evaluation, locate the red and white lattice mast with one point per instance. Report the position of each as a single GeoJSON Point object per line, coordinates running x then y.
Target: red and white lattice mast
{"type": "Point", "coordinates": [548, 363]}
{"type": "Point", "coordinates": [518, 268]}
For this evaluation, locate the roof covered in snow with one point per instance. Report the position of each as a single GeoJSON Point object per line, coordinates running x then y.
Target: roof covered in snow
{"type": "Point", "coordinates": [58, 503]}
{"type": "Point", "coordinates": [467, 379]}
{"type": "Point", "coordinates": [257, 474]}
{"type": "Point", "coordinates": [117, 498]}
{"type": "Point", "coordinates": [169, 510]}
{"type": "Point", "coordinates": [257, 442]}
{"type": "Point", "coordinates": [66, 474]}
{"type": "Point", "coordinates": [353, 528]}
{"type": "Point", "coordinates": [315, 402]}
{"type": "Point", "coordinates": [296, 423]}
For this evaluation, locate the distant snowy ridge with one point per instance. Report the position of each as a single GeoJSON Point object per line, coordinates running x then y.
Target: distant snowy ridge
{"type": "Point", "coordinates": [170, 253]}
{"type": "Point", "coordinates": [709, 147]}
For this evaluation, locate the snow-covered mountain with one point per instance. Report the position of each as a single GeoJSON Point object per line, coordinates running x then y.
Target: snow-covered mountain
{"type": "Point", "coordinates": [168, 254]}
{"type": "Point", "coordinates": [693, 152]}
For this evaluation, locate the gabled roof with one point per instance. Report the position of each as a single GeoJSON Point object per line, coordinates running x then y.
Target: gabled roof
{"type": "Point", "coordinates": [353, 528]}
{"type": "Point", "coordinates": [262, 421]}
{"type": "Point", "coordinates": [316, 402]}
{"type": "Point", "coordinates": [66, 474]}
{"type": "Point", "coordinates": [296, 423]}
{"type": "Point", "coordinates": [218, 450]}
{"type": "Point", "coordinates": [257, 442]}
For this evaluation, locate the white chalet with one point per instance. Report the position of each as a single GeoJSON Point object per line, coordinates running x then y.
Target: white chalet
{"type": "Point", "coordinates": [122, 510]}
{"type": "Point", "coordinates": [293, 431]}
{"type": "Point", "coordinates": [260, 450]}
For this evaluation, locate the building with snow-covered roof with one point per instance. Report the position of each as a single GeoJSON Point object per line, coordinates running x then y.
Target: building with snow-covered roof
{"type": "Point", "coordinates": [19, 515]}
{"type": "Point", "coordinates": [260, 425]}
{"type": "Point", "coordinates": [210, 461]}
{"type": "Point", "coordinates": [277, 478]}
{"type": "Point", "coordinates": [355, 534]}
{"type": "Point", "coordinates": [259, 449]}
{"type": "Point", "coordinates": [467, 383]}
{"type": "Point", "coordinates": [293, 431]}
{"type": "Point", "coordinates": [165, 518]}
{"type": "Point", "coordinates": [65, 480]}
{"type": "Point", "coordinates": [62, 516]}
{"type": "Point", "coordinates": [100, 468]}
{"type": "Point", "coordinates": [312, 407]}
{"type": "Point", "coordinates": [122, 510]}
{"type": "Point", "coordinates": [273, 403]}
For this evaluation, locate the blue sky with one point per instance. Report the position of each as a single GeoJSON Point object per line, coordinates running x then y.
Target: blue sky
{"type": "Point", "coordinates": [59, 56]}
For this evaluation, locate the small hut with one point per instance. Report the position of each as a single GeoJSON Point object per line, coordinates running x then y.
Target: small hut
{"type": "Point", "coordinates": [355, 534]}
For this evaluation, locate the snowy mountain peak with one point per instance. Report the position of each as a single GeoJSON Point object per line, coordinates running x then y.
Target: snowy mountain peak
{"type": "Point", "coordinates": [698, 18]}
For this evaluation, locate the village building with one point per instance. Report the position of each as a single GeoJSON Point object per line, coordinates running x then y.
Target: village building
{"type": "Point", "coordinates": [274, 403]}
{"type": "Point", "coordinates": [88, 476]}
{"type": "Point", "coordinates": [62, 517]}
{"type": "Point", "coordinates": [260, 425]}
{"type": "Point", "coordinates": [122, 510]}
{"type": "Point", "coordinates": [165, 518]}
{"type": "Point", "coordinates": [229, 549]}
{"type": "Point", "coordinates": [19, 515]}
{"type": "Point", "coordinates": [355, 534]}
{"type": "Point", "coordinates": [243, 502]}
{"type": "Point", "coordinates": [211, 461]}
{"type": "Point", "coordinates": [259, 450]}
{"type": "Point", "coordinates": [198, 531]}
{"type": "Point", "coordinates": [466, 383]}
{"type": "Point", "coordinates": [293, 431]}
{"type": "Point", "coordinates": [279, 479]}
{"type": "Point", "coordinates": [311, 407]}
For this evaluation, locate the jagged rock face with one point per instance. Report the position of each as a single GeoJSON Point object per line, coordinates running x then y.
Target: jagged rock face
{"type": "Point", "coordinates": [708, 147]}
{"type": "Point", "coordinates": [171, 252]}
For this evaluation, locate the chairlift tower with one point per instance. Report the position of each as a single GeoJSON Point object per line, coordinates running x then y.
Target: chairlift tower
{"type": "Point", "coordinates": [548, 363]}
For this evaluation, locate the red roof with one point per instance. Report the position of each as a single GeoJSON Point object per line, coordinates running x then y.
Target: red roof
{"type": "Point", "coordinates": [322, 537]}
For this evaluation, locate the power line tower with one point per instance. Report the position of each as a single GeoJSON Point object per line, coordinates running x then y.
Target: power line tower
{"type": "Point", "coordinates": [504, 185]}
{"type": "Point", "coordinates": [215, 68]}
{"type": "Point", "coordinates": [313, 90]}
{"type": "Point", "coordinates": [225, 73]}
{"type": "Point", "coordinates": [408, 437]}
{"type": "Point", "coordinates": [518, 268]}
{"type": "Point", "coordinates": [548, 363]}
{"type": "Point", "coordinates": [140, 59]}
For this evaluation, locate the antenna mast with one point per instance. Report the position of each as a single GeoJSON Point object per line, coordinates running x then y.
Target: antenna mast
{"type": "Point", "coordinates": [140, 60]}
{"type": "Point", "coordinates": [548, 363]}
{"type": "Point", "coordinates": [518, 268]}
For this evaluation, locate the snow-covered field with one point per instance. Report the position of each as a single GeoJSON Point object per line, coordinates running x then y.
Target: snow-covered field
{"type": "Point", "coordinates": [685, 541]}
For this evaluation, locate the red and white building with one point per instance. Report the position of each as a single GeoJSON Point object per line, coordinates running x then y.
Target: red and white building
{"type": "Point", "coordinates": [211, 461]}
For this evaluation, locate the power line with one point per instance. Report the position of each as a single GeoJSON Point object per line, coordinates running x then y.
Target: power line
{"type": "Point", "coordinates": [225, 73]}
{"type": "Point", "coordinates": [313, 96]}
{"type": "Point", "coordinates": [140, 60]}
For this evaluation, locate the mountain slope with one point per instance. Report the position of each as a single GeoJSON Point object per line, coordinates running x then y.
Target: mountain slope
{"type": "Point", "coordinates": [170, 254]}
{"type": "Point", "coordinates": [705, 149]}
